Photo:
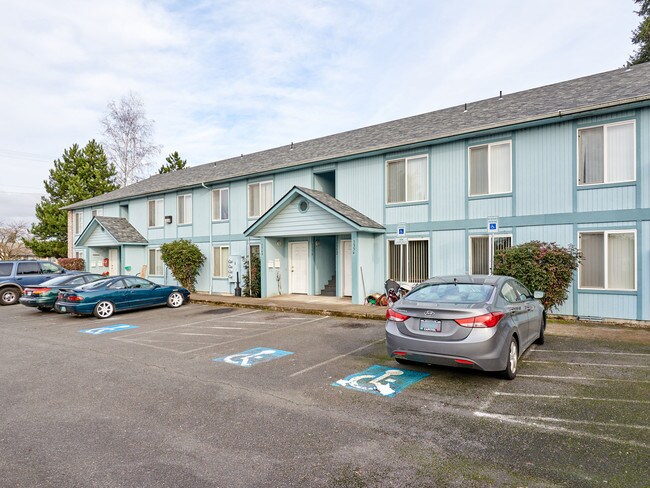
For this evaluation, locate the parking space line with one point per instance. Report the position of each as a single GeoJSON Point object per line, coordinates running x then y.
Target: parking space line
{"type": "Point", "coordinates": [335, 358]}
{"type": "Point", "coordinates": [595, 352]}
{"type": "Point", "coordinates": [557, 428]}
{"type": "Point", "coordinates": [590, 364]}
{"type": "Point", "coordinates": [551, 377]}
{"type": "Point", "coordinates": [563, 397]}
{"type": "Point", "coordinates": [580, 422]}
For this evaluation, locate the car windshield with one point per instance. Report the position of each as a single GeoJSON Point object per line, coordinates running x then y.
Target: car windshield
{"type": "Point", "coordinates": [94, 284]}
{"type": "Point", "coordinates": [451, 293]}
{"type": "Point", "coordinates": [56, 281]}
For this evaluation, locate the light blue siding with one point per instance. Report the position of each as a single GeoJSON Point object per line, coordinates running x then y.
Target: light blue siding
{"type": "Point", "coordinates": [606, 225]}
{"type": "Point", "coordinates": [614, 198]}
{"type": "Point", "coordinates": [290, 221]}
{"type": "Point", "coordinates": [560, 234]}
{"type": "Point", "coordinates": [111, 210]}
{"type": "Point", "coordinates": [406, 214]}
{"type": "Point", "coordinates": [448, 188]}
{"type": "Point", "coordinates": [99, 238]}
{"type": "Point", "coordinates": [643, 156]}
{"type": "Point", "coordinates": [483, 208]}
{"type": "Point", "coordinates": [447, 249]}
{"type": "Point", "coordinates": [239, 207]}
{"type": "Point", "coordinates": [360, 184]}
{"type": "Point", "coordinates": [643, 281]}
{"type": "Point", "coordinates": [606, 305]}
{"type": "Point", "coordinates": [284, 182]}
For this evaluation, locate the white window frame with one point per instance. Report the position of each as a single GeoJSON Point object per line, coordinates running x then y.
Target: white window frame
{"type": "Point", "coordinates": [157, 257]}
{"type": "Point", "coordinates": [258, 183]}
{"type": "Point", "coordinates": [97, 212]}
{"type": "Point", "coordinates": [78, 222]}
{"type": "Point", "coordinates": [217, 191]}
{"type": "Point", "coordinates": [469, 166]}
{"type": "Point", "coordinates": [185, 197]}
{"type": "Point", "coordinates": [606, 233]}
{"type": "Point", "coordinates": [605, 160]}
{"type": "Point", "coordinates": [406, 178]}
{"type": "Point", "coordinates": [221, 247]}
{"type": "Point", "coordinates": [157, 201]}
{"type": "Point", "coordinates": [80, 254]}
{"type": "Point", "coordinates": [408, 281]}
{"type": "Point", "coordinates": [490, 249]}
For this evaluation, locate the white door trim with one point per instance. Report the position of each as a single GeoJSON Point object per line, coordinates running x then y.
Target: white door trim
{"type": "Point", "coordinates": [346, 288]}
{"type": "Point", "coordinates": [113, 261]}
{"type": "Point", "coordinates": [299, 284]}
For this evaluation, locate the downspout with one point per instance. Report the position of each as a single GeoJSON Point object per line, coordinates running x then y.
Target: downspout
{"type": "Point", "coordinates": [210, 251]}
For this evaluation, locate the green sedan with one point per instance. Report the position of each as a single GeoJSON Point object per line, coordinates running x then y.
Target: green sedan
{"type": "Point", "coordinates": [44, 295]}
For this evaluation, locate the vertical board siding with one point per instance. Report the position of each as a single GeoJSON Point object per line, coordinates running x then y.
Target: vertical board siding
{"type": "Point", "coordinates": [360, 184]}
{"type": "Point", "coordinates": [171, 208]}
{"type": "Point", "coordinates": [490, 207]}
{"type": "Point", "coordinates": [606, 225]}
{"type": "Point", "coordinates": [406, 214]}
{"type": "Point", "coordinates": [643, 281]}
{"type": "Point", "coordinates": [603, 119]}
{"type": "Point", "coordinates": [283, 182]}
{"type": "Point", "coordinates": [560, 234]}
{"type": "Point", "coordinates": [643, 155]}
{"type": "Point", "coordinates": [201, 211]}
{"type": "Point", "coordinates": [238, 209]}
{"type": "Point", "coordinates": [543, 160]}
{"type": "Point", "coordinates": [448, 189]}
{"type": "Point", "coordinates": [139, 215]}
{"type": "Point", "coordinates": [616, 198]}
{"type": "Point", "coordinates": [447, 251]}
{"type": "Point", "coordinates": [111, 210]}
{"type": "Point", "coordinates": [603, 305]}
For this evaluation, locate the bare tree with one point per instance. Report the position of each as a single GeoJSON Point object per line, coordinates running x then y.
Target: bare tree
{"type": "Point", "coordinates": [11, 239]}
{"type": "Point", "coordinates": [129, 135]}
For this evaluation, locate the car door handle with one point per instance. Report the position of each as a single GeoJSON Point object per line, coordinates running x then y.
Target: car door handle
{"type": "Point", "coordinates": [516, 309]}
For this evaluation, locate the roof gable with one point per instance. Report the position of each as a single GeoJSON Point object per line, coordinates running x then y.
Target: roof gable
{"type": "Point", "coordinates": [109, 231]}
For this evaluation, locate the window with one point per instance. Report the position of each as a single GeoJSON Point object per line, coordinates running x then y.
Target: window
{"type": "Point", "coordinates": [6, 268]}
{"type": "Point", "coordinates": [609, 260]}
{"type": "Point", "coordinates": [97, 212]}
{"type": "Point", "coordinates": [117, 285]}
{"type": "Point", "coordinates": [184, 209]}
{"type": "Point", "coordinates": [260, 198]}
{"type": "Point", "coordinates": [490, 169]}
{"type": "Point", "coordinates": [155, 263]}
{"type": "Point", "coordinates": [220, 204]}
{"type": "Point", "coordinates": [49, 268]}
{"type": "Point", "coordinates": [408, 262]}
{"type": "Point", "coordinates": [29, 268]}
{"type": "Point", "coordinates": [607, 153]}
{"type": "Point", "coordinates": [141, 283]}
{"type": "Point", "coordinates": [406, 179]}
{"type": "Point", "coordinates": [220, 261]}
{"type": "Point", "coordinates": [156, 213]}
{"type": "Point", "coordinates": [78, 222]}
{"type": "Point", "coordinates": [80, 255]}
{"type": "Point", "coordinates": [481, 256]}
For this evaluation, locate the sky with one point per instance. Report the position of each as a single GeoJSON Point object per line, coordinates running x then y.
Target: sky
{"type": "Point", "coordinates": [221, 78]}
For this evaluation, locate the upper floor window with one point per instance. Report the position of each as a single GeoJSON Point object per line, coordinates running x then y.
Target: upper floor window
{"type": "Point", "coordinates": [606, 153]}
{"type": "Point", "coordinates": [156, 213]}
{"type": "Point", "coordinates": [609, 260]}
{"type": "Point", "coordinates": [220, 204]}
{"type": "Point", "coordinates": [490, 169]}
{"type": "Point", "coordinates": [406, 179]}
{"type": "Point", "coordinates": [97, 212]}
{"type": "Point", "coordinates": [184, 209]}
{"type": "Point", "coordinates": [78, 222]}
{"type": "Point", "coordinates": [260, 198]}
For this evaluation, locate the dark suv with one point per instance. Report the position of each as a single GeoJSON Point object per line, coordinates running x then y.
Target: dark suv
{"type": "Point", "coordinates": [16, 275]}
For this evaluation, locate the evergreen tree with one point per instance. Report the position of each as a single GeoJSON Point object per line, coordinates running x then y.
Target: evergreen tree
{"type": "Point", "coordinates": [78, 175]}
{"type": "Point", "coordinates": [641, 35]}
{"type": "Point", "coordinates": [174, 163]}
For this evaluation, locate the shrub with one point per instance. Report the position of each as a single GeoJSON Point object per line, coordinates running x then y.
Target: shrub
{"type": "Point", "coordinates": [73, 264]}
{"type": "Point", "coordinates": [540, 266]}
{"type": "Point", "coordinates": [252, 278]}
{"type": "Point", "coordinates": [184, 259]}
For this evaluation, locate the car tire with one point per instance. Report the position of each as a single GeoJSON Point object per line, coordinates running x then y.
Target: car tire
{"type": "Point", "coordinates": [542, 329]}
{"type": "Point", "coordinates": [104, 309]}
{"type": "Point", "coordinates": [513, 358]}
{"type": "Point", "coordinates": [404, 361]}
{"type": "Point", "coordinates": [9, 295]}
{"type": "Point", "coordinates": [44, 309]}
{"type": "Point", "coordinates": [174, 300]}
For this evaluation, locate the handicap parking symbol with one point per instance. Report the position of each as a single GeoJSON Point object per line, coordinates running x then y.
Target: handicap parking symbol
{"type": "Point", "coordinates": [381, 380]}
{"type": "Point", "coordinates": [108, 329]}
{"type": "Point", "coordinates": [253, 356]}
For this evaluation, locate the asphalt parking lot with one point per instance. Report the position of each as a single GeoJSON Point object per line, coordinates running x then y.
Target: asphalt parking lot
{"type": "Point", "coordinates": [208, 396]}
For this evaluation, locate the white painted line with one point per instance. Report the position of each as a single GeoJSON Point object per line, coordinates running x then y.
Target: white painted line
{"type": "Point", "coordinates": [578, 378]}
{"type": "Point", "coordinates": [155, 347]}
{"type": "Point", "coordinates": [556, 428]}
{"type": "Point", "coordinates": [581, 422]}
{"type": "Point", "coordinates": [596, 352]}
{"type": "Point", "coordinates": [563, 397]}
{"type": "Point", "coordinates": [335, 358]}
{"type": "Point", "coordinates": [564, 363]}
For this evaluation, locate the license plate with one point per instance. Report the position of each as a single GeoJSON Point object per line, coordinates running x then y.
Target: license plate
{"type": "Point", "coordinates": [62, 309]}
{"type": "Point", "coordinates": [430, 325]}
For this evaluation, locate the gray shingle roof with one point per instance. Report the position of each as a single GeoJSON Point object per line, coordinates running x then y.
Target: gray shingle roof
{"type": "Point", "coordinates": [341, 208]}
{"type": "Point", "coordinates": [121, 230]}
{"type": "Point", "coordinates": [611, 88]}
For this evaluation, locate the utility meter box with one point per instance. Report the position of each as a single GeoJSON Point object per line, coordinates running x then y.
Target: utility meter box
{"type": "Point", "coordinates": [234, 267]}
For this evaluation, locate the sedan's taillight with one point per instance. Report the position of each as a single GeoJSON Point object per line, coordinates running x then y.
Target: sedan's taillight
{"type": "Point", "coordinates": [482, 321]}
{"type": "Point", "coordinates": [38, 291]}
{"type": "Point", "coordinates": [396, 316]}
{"type": "Point", "coordinates": [75, 298]}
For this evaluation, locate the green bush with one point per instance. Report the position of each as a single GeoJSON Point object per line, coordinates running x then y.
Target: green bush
{"type": "Point", "coordinates": [252, 278]}
{"type": "Point", "coordinates": [540, 266]}
{"type": "Point", "coordinates": [73, 264]}
{"type": "Point", "coordinates": [184, 259]}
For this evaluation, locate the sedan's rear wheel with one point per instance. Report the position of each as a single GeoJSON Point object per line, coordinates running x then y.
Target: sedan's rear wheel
{"type": "Point", "coordinates": [174, 300]}
{"type": "Point", "coordinates": [104, 309]}
{"type": "Point", "coordinates": [9, 295]}
{"type": "Point", "coordinates": [513, 356]}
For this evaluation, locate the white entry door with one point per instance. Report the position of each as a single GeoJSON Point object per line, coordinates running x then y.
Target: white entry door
{"type": "Point", "coordinates": [299, 267]}
{"type": "Point", "coordinates": [346, 267]}
{"type": "Point", "coordinates": [113, 262]}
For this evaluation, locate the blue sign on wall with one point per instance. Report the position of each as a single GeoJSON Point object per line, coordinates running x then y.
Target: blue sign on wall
{"type": "Point", "coordinates": [253, 356]}
{"type": "Point", "coordinates": [381, 380]}
{"type": "Point", "coordinates": [108, 329]}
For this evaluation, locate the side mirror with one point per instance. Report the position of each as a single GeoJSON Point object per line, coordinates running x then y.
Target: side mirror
{"type": "Point", "coordinates": [538, 295]}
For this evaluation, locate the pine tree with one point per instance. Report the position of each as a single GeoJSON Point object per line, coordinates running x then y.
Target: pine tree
{"type": "Point", "coordinates": [641, 35]}
{"type": "Point", "coordinates": [78, 175]}
{"type": "Point", "coordinates": [174, 163]}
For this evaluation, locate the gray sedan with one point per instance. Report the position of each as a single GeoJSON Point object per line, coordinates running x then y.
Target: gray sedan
{"type": "Point", "coordinates": [479, 322]}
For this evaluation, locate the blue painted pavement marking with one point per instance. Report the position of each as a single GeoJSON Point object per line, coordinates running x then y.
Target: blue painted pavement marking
{"type": "Point", "coordinates": [381, 380]}
{"type": "Point", "coordinates": [108, 329]}
{"type": "Point", "coordinates": [253, 356]}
